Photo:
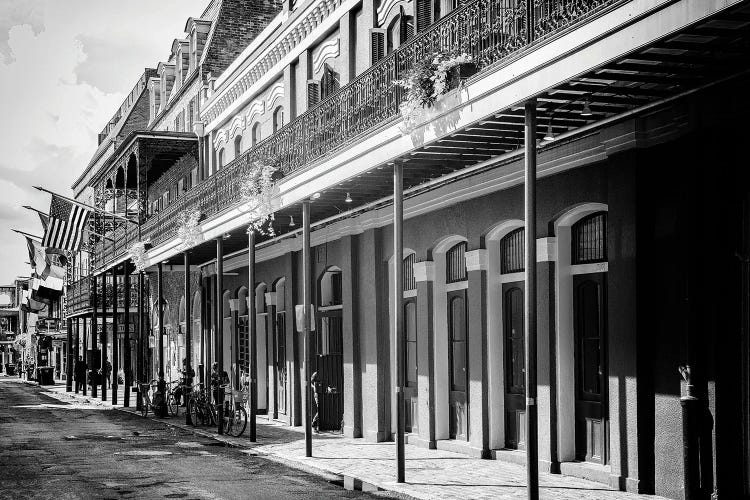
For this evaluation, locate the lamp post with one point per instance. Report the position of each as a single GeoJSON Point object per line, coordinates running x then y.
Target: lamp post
{"type": "Point", "coordinates": [253, 333]}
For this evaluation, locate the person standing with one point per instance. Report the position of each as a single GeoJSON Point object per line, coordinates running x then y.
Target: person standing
{"type": "Point", "coordinates": [80, 373]}
{"type": "Point", "coordinates": [108, 372]}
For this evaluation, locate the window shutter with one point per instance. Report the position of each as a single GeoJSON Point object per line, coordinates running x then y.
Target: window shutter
{"type": "Point", "coordinates": [377, 42]}
{"type": "Point", "coordinates": [424, 14]}
{"type": "Point", "coordinates": [313, 93]}
{"type": "Point", "coordinates": [403, 30]}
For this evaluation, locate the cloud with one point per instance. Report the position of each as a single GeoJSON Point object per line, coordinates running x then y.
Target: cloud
{"type": "Point", "coordinates": [14, 13]}
{"type": "Point", "coordinates": [67, 68]}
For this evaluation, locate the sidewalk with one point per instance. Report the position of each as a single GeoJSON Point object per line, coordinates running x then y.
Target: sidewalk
{"type": "Point", "coordinates": [429, 473]}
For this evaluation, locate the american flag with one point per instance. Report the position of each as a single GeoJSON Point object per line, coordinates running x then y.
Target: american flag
{"type": "Point", "coordinates": [66, 223]}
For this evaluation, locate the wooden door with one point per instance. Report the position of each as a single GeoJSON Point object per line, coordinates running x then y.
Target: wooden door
{"type": "Point", "coordinates": [514, 366]}
{"type": "Point", "coordinates": [589, 309]}
{"type": "Point", "coordinates": [281, 374]}
{"type": "Point", "coordinates": [330, 368]}
{"type": "Point", "coordinates": [458, 365]}
{"type": "Point", "coordinates": [410, 364]}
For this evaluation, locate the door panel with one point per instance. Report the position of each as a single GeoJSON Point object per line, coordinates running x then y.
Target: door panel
{"type": "Point", "coordinates": [589, 318]}
{"type": "Point", "coordinates": [330, 368]}
{"type": "Point", "coordinates": [514, 367]}
{"type": "Point", "coordinates": [281, 375]}
{"type": "Point", "coordinates": [410, 359]}
{"type": "Point", "coordinates": [458, 364]}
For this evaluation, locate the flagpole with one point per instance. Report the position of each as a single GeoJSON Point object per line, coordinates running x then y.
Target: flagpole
{"type": "Point", "coordinates": [27, 234]}
{"type": "Point", "coordinates": [84, 205]}
{"type": "Point", "coordinates": [90, 231]}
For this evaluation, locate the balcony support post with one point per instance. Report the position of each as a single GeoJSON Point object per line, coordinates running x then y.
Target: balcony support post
{"type": "Point", "coordinates": [140, 353]}
{"type": "Point", "coordinates": [69, 363]}
{"type": "Point", "coordinates": [253, 333]}
{"type": "Point", "coordinates": [162, 410]}
{"type": "Point", "coordinates": [103, 338]}
{"type": "Point", "coordinates": [530, 320]}
{"type": "Point", "coordinates": [77, 351]}
{"type": "Point", "coordinates": [188, 335]}
{"type": "Point", "coordinates": [85, 347]}
{"type": "Point", "coordinates": [115, 337]}
{"type": "Point", "coordinates": [127, 361]}
{"type": "Point", "coordinates": [306, 298]}
{"type": "Point", "coordinates": [398, 315]}
{"type": "Point", "coordinates": [219, 329]}
{"type": "Point", "coordinates": [94, 327]}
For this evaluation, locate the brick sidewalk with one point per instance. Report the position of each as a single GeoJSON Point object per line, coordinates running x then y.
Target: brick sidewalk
{"type": "Point", "coordinates": [429, 473]}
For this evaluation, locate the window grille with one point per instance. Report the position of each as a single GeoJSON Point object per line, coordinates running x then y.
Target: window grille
{"type": "Point", "coordinates": [512, 248]}
{"type": "Point", "coordinates": [455, 263]}
{"type": "Point", "coordinates": [410, 283]}
{"type": "Point", "coordinates": [589, 239]}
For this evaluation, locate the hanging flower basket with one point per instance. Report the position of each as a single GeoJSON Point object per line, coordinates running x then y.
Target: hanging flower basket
{"type": "Point", "coordinates": [138, 252]}
{"type": "Point", "coordinates": [188, 227]}
{"type": "Point", "coordinates": [427, 80]}
{"type": "Point", "coordinates": [256, 191]}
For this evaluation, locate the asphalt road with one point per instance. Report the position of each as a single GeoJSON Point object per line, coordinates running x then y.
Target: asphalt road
{"type": "Point", "coordinates": [52, 449]}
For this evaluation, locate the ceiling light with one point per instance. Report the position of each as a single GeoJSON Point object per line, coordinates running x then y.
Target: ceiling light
{"type": "Point", "coordinates": [291, 221]}
{"type": "Point", "coordinates": [227, 236]}
{"type": "Point", "coordinates": [315, 196]}
{"type": "Point", "coordinates": [549, 136]}
{"type": "Point", "coordinates": [348, 198]}
{"type": "Point", "coordinates": [586, 111]}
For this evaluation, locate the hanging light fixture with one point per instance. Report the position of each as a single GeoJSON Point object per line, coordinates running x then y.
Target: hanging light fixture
{"type": "Point", "coordinates": [291, 221]}
{"type": "Point", "coordinates": [348, 198]}
{"type": "Point", "coordinates": [549, 136]}
{"type": "Point", "coordinates": [315, 196]}
{"type": "Point", "coordinates": [586, 111]}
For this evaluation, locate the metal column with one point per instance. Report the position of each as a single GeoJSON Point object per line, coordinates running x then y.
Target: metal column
{"type": "Point", "coordinates": [532, 465]}
{"type": "Point", "coordinates": [94, 325]}
{"type": "Point", "coordinates": [160, 307]}
{"type": "Point", "coordinates": [115, 337]}
{"type": "Point", "coordinates": [69, 364]}
{"type": "Point", "coordinates": [253, 333]}
{"type": "Point", "coordinates": [127, 361]}
{"type": "Point", "coordinates": [306, 299]}
{"type": "Point", "coordinates": [219, 324]}
{"type": "Point", "coordinates": [103, 337]}
{"type": "Point", "coordinates": [77, 351]}
{"type": "Point", "coordinates": [141, 348]}
{"type": "Point", "coordinates": [188, 333]}
{"type": "Point", "coordinates": [85, 357]}
{"type": "Point", "coordinates": [398, 316]}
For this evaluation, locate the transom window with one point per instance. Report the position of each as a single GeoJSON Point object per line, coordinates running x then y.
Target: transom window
{"type": "Point", "coordinates": [455, 263]}
{"type": "Point", "coordinates": [589, 239]}
{"type": "Point", "coordinates": [512, 248]}
{"type": "Point", "coordinates": [410, 283]}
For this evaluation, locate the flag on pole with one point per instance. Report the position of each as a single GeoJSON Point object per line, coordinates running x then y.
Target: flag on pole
{"type": "Point", "coordinates": [37, 255]}
{"type": "Point", "coordinates": [66, 222]}
{"type": "Point", "coordinates": [44, 218]}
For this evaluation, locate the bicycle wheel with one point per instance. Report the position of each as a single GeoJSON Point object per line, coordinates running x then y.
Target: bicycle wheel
{"type": "Point", "coordinates": [193, 412]}
{"type": "Point", "coordinates": [172, 404]}
{"type": "Point", "coordinates": [144, 406]}
{"type": "Point", "coordinates": [238, 422]}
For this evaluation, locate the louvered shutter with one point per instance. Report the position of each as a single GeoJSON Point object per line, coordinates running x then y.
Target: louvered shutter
{"type": "Point", "coordinates": [313, 93]}
{"type": "Point", "coordinates": [424, 14]}
{"type": "Point", "coordinates": [377, 43]}
{"type": "Point", "coordinates": [403, 28]}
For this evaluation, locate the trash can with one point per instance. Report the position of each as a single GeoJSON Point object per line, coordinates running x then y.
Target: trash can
{"type": "Point", "coordinates": [45, 375]}
{"type": "Point", "coordinates": [10, 369]}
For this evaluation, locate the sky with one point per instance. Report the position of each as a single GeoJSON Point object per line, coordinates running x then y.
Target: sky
{"type": "Point", "coordinates": [65, 68]}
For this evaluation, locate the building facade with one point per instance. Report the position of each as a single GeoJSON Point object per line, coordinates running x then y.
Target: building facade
{"type": "Point", "coordinates": [632, 111]}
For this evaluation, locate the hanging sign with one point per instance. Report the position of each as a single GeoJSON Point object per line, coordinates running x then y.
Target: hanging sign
{"type": "Point", "coordinates": [299, 313]}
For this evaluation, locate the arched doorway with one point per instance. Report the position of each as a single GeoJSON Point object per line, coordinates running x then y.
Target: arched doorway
{"type": "Point", "coordinates": [262, 330]}
{"type": "Point", "coordinates": [227, 332]}
{"type": "Point", "coordinates": [279, 348]}
{"type": "Point", "coordinates": [456, 286]}
{"type": "Point", "coordinates": [243, 338]}
{"type": "Point", "coordinates": [329, 350]}
{"type": "Point", "coordinates": [411, 401]}
{"type": "Point", "coordinates": [197, 333]}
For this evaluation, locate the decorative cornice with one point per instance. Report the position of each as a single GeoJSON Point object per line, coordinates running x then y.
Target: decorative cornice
{"type": "Point", "coordinates": [294, 35]}
{"type": "Point", "coordinates": [221, 136]}
{"type": "Point", "coordinates": [276, 93]}
{"type": "Point", "coordinates": [238, 124]}
{"type": "Point", "coordinates": [325, 51]}
{"type": "Point", "coordinates": [385, 9]}
{"type": "Point", "coordinates": [256, 108]}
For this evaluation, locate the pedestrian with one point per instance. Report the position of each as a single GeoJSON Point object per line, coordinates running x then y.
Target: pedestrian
{"type": "Point", "coordinates": [108, 372]}
{"type": "Point", "coordinates": [80, 373]}
{"type": "Point", "coordinates": [187, 378]}
{"type": "Point", "coordinates": [314, 383]}
{"type": "Point", "coordinates": [217, 379]}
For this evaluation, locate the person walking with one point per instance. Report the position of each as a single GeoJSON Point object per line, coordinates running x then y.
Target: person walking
{"type": "Point", "coordinates": [108, 372]}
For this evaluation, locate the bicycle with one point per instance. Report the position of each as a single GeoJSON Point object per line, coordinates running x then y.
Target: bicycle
{"type": "Point", "coordinates": [147, 402]}
{"type": "Point", "coordinates": [172, 406]}
{"type": "Point", "coordinates": [235, 415]}
{"type": "Point", "coordinates": [202, 410]}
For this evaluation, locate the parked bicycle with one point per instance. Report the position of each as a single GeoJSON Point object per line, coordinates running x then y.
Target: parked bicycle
{"type": "Point", "coordinates": [158, 400]}
{"type": "Point", "coordinates": [202, 410]}
{"type": "Point", "coordinates": [235, 415]}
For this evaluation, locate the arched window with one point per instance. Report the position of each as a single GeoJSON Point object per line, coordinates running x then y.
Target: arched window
{"type": "Point", "coordinates": [255, 134]}
{"type": "Point", "coordinates": [278, 118]}
{"type": "Point", "coordinates": [221, 158]}
{"type": "Point", "coordinates": [400, 30]}
{"type": "Point", "coordinates": [589, 239]}
{"type": "Point", "coordinates": [237, 146]}
{"type": "Point", "coordinates": [455, 263]}
{"type": "Point", "coordinates": [512, 249]}
{"type": "Point", "coordinates": [329, 82]}
{"type": "Point", "coordinates": [410, 283]}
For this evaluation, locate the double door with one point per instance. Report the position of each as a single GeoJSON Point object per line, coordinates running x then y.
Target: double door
{"type": "Point", "coordinates": [590, 330]}
{"type": "Point", "coordinates": [280, 362]}
{"type": "Point", "coordinates": [330, 368]}
{"type": "Point", "coordinates": [458, 366]}
{"type": "Point", "coordinates": [514, 365]}
{"type": "Point", "coordinates": [410, 364]}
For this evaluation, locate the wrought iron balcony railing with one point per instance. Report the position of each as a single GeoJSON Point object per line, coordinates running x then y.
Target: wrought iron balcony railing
{"type": "Point", "coordinates": [488, 30]}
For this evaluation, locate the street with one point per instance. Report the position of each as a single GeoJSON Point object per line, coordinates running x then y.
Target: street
{"type": "Point", "coordinates": [53, 449]}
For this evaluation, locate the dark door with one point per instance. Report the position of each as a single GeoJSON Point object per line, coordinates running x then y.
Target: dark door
{"type": "Point", "coordinates": [410, 362]}
{"type": "Point", "coordinates": [589, 306]}
{"type": "Point", "coordinates": [330, 368]}
{"type": "Point", "coordinates": [281, 375]}
{"type": "Point", "coordinates": [457, 362]}
{"type": "Point", "coordinates": [515, 362]}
